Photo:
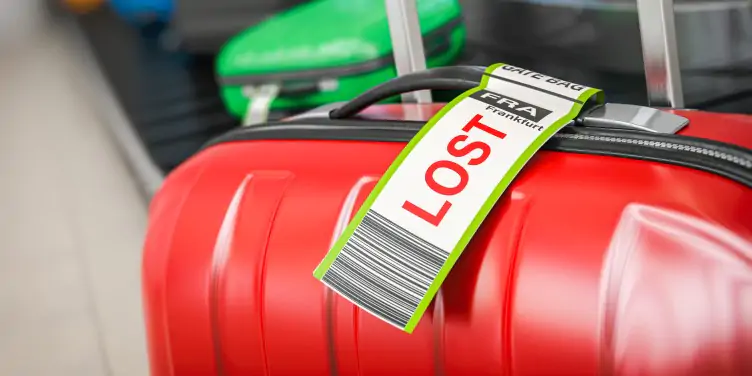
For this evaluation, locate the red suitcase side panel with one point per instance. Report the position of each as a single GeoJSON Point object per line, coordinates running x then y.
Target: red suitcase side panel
{"type": "Point", "coordinates": [164, 212]}
{"type": "Point", "coordinates": [587, 265]}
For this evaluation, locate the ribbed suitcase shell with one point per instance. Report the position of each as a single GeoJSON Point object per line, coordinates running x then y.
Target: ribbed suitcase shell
{"type": "Point", "coordinates": [588, 265]}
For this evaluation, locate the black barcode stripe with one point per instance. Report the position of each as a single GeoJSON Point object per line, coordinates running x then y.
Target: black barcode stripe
{"type": "Point", "coordinates": [379, 282]}
{"type": "Point", "coordinates": [378, 292]}
{"type": "Point", "coordinates": [380, 268]}
{"type": "Point", "coordinates": [403, 252]}
{"type": "Point", "coordinates": [385, 269]}
{"type": "Point", "coordinates": [395, 233]}
{"type": "Point", "coordinates": [358, 289]}
{"type": "Point", "coordinates": [361, 297]}
{"type": "Point", "coordinates": [396, 259]}
{"type": "Point", "coordinates": [397, 256]}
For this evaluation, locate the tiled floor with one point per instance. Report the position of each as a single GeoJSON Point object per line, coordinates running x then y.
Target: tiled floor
{"type": "Point", "coordinates": [71, 225]}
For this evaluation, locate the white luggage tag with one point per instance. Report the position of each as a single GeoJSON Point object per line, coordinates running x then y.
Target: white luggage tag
{"type": "Point", "coordinates": [399, 247]}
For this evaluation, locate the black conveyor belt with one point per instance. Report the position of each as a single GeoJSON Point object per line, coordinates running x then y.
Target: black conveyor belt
{"type": "Point", "coordinates": [173, 102]}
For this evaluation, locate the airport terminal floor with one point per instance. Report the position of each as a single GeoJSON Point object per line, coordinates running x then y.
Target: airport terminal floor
{"type": "Point", "coordinates": [71, 223]}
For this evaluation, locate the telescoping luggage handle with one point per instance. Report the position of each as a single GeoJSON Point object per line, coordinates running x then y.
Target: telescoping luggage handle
{"type": "Point", "coordinates": [609, 115]}
{"type": "Point", "coordinates": [657, 32]}
{"type": "Point", "coordinates": [407, 43]}
{"type": "Point", "coordinates": [659, 53]}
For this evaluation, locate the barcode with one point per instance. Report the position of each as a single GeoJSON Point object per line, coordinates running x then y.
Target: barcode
{"type": "Point", "coordinates": [385, 269]}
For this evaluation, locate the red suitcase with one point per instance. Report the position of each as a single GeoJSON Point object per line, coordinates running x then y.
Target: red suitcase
{"type": "Point", "coordinates": [614, 252]}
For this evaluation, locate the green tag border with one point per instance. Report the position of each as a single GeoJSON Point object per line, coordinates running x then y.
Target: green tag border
{"type": "Point", "coordinates": [485, 208]}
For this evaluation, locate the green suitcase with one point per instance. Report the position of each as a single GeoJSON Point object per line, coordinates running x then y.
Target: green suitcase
{"type": "Point", "coordinates": [324, 51]}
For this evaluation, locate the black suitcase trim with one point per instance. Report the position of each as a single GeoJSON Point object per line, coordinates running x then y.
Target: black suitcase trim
{"type": "Point", "coordinates": [730, 161]}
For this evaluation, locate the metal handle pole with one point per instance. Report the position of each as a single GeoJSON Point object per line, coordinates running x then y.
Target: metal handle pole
{"type": "Point", "coordinates": [659, 53]}
{"type": "Point", "coordinates": [407, 43]}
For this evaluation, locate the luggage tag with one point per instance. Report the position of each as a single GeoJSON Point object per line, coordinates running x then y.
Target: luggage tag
{"type": "Point", "coordinates": [393, 256]}
{"type": "Point", "coordinates": [260, 100]}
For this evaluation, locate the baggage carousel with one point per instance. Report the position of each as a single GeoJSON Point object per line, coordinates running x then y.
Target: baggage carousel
{"type": "Point", "coordinates": [168, 102]}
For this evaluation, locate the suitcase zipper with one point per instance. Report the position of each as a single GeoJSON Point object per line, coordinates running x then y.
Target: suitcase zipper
{"type": "Point", "coordinates": [731, 161]}
{"type": "Point", "coordinates": [727, 160]}
{"type": "Point", "coordinates": [744, 162]}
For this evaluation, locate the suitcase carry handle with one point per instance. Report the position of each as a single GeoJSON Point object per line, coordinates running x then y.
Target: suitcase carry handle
{"type": "Point", "coordinates": [443, 78]}
{"type": "Point", "coordinates": [609, 115]}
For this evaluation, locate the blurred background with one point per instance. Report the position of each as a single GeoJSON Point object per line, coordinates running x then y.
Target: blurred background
{"type": "Point", "coordinates": [99, 100]}
{"type": "Point", "coordinates": [71, 218]}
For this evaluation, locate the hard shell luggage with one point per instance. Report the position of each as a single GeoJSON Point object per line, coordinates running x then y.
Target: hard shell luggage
{"type": "Point", "coordinates": [616, 251]}
{"type": "Point", "coordinates": [204, 26]}
{"type": "Point", "coordinates": [326, 51]}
